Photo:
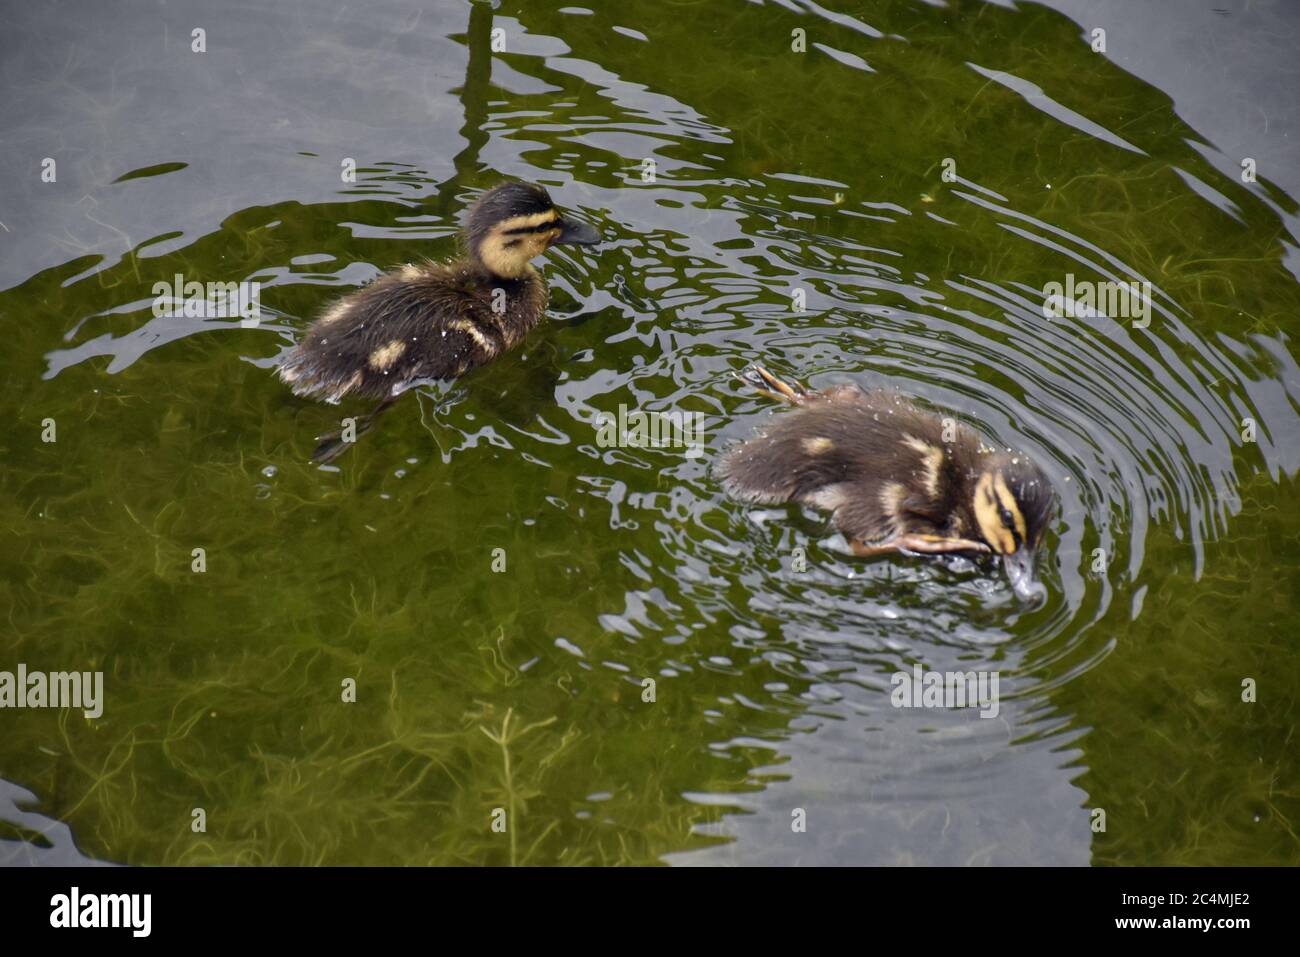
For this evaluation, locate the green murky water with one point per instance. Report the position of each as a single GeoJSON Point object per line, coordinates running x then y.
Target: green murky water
{"type": "Point", "coordinates": [522, 689]}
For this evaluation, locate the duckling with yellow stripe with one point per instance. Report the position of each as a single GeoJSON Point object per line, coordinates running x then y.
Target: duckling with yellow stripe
{"type": "Point", "coordinates": [894, 478]}
{"type": "Point", "coordinates": [437, 321]}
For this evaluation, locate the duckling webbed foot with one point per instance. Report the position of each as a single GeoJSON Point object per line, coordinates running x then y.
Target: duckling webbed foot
{"type": "Point", "coordinates": [769, 385]}
{"type": "Point", "coordinates": [924, 544]}
{"type": "Point", "coordinates": [335, 444]}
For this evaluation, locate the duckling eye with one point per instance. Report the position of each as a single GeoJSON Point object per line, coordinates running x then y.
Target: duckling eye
{"type": "Point", "coordinates": [1008, 521]}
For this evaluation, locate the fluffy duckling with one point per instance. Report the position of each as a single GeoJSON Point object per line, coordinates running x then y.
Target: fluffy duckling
{"type": "Point", "coordinates": [438, 321]}
{"type": "Point", "coordinates": [894, 478]}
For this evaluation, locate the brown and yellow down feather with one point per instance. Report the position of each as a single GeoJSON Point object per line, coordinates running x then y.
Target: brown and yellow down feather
{"type": "Point", "coordinates": [418, 323]}
{"type": "Point", "coordinates": [872, 459]}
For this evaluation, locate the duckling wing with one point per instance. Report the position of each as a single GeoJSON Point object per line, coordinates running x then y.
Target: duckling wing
{"type": "Point", "coordinates": [397, 330]}
{"type": "Point", "coordinates": [790, 464]}
{"type": "Point", "coordinates": [333, 366]}
{"type": "Point", "coordinates": [871, 511]}
{"type": "Point", "coordinates": [856, 455]}
{"type": "Point", "coordinates": [796, 457]}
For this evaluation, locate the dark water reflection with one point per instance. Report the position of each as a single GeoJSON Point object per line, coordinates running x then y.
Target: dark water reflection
{"type": "Point", "coordinates": [773, 171]}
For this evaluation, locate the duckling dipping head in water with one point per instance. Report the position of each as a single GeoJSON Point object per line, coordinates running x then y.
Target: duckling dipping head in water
{"type": "Point", "coordinates": [894, 478]}
{"type": "Point", "coordinates": [436, 321]}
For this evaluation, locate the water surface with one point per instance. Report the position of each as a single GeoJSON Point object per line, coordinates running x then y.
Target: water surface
{"type": "Point", "coordinates": [774, 172]}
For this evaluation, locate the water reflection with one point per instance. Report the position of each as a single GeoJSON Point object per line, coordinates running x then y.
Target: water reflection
{"type": "Point", "coordinates": [40, 840]}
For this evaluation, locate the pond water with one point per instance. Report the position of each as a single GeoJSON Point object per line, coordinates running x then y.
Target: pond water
{"type": "Point", "coordinates": [886, 205]}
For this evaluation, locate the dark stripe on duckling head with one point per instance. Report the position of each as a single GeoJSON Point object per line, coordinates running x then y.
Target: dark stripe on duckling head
{"type": "Point", "coordinates": [532, 234]}
{"type": "Point", "coordinates": [510, 201]}
{"type": "Point", "coordinates": [537, 223]}
{"type": "Point", "coordinates": [989, 505]}
{"type": "Point", "coordinates": [509, 206]}
{"type": "Point", "coordinates": [508, 258]}
{"type": "Point", "coordinates": [1009, 504]}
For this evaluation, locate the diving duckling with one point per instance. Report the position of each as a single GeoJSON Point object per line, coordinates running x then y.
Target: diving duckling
{"type": "Point", "coordinates": [891, 479]}
{"type": "Point", "coordinates": [438, 321]}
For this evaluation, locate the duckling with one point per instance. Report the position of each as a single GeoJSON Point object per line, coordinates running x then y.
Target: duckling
{"type": "Point", "coordinates": [894, 478]}
{"type": "Point", "coordinates": [438, 321]}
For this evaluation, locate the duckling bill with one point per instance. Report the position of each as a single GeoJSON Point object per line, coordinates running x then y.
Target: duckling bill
{"type": "Point", "coordinates": [891, 478]}
{"type": "Point", "coordinates": [438, 321]}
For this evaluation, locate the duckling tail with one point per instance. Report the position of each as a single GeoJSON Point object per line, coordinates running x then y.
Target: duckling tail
{"type": "Point", "coordinates": [769, 385]}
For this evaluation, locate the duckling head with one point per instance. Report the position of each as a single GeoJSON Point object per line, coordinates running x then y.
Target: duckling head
{"type": "Point", "coordinates": [1013, 504]}
{"type": "Point", "coordinates": [515, 222]}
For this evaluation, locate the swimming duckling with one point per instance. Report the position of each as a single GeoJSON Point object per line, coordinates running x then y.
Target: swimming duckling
{"type": "Point", "coordinates": [894, 477]}
{"type": "Point", "coordinates": [438, 321]}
